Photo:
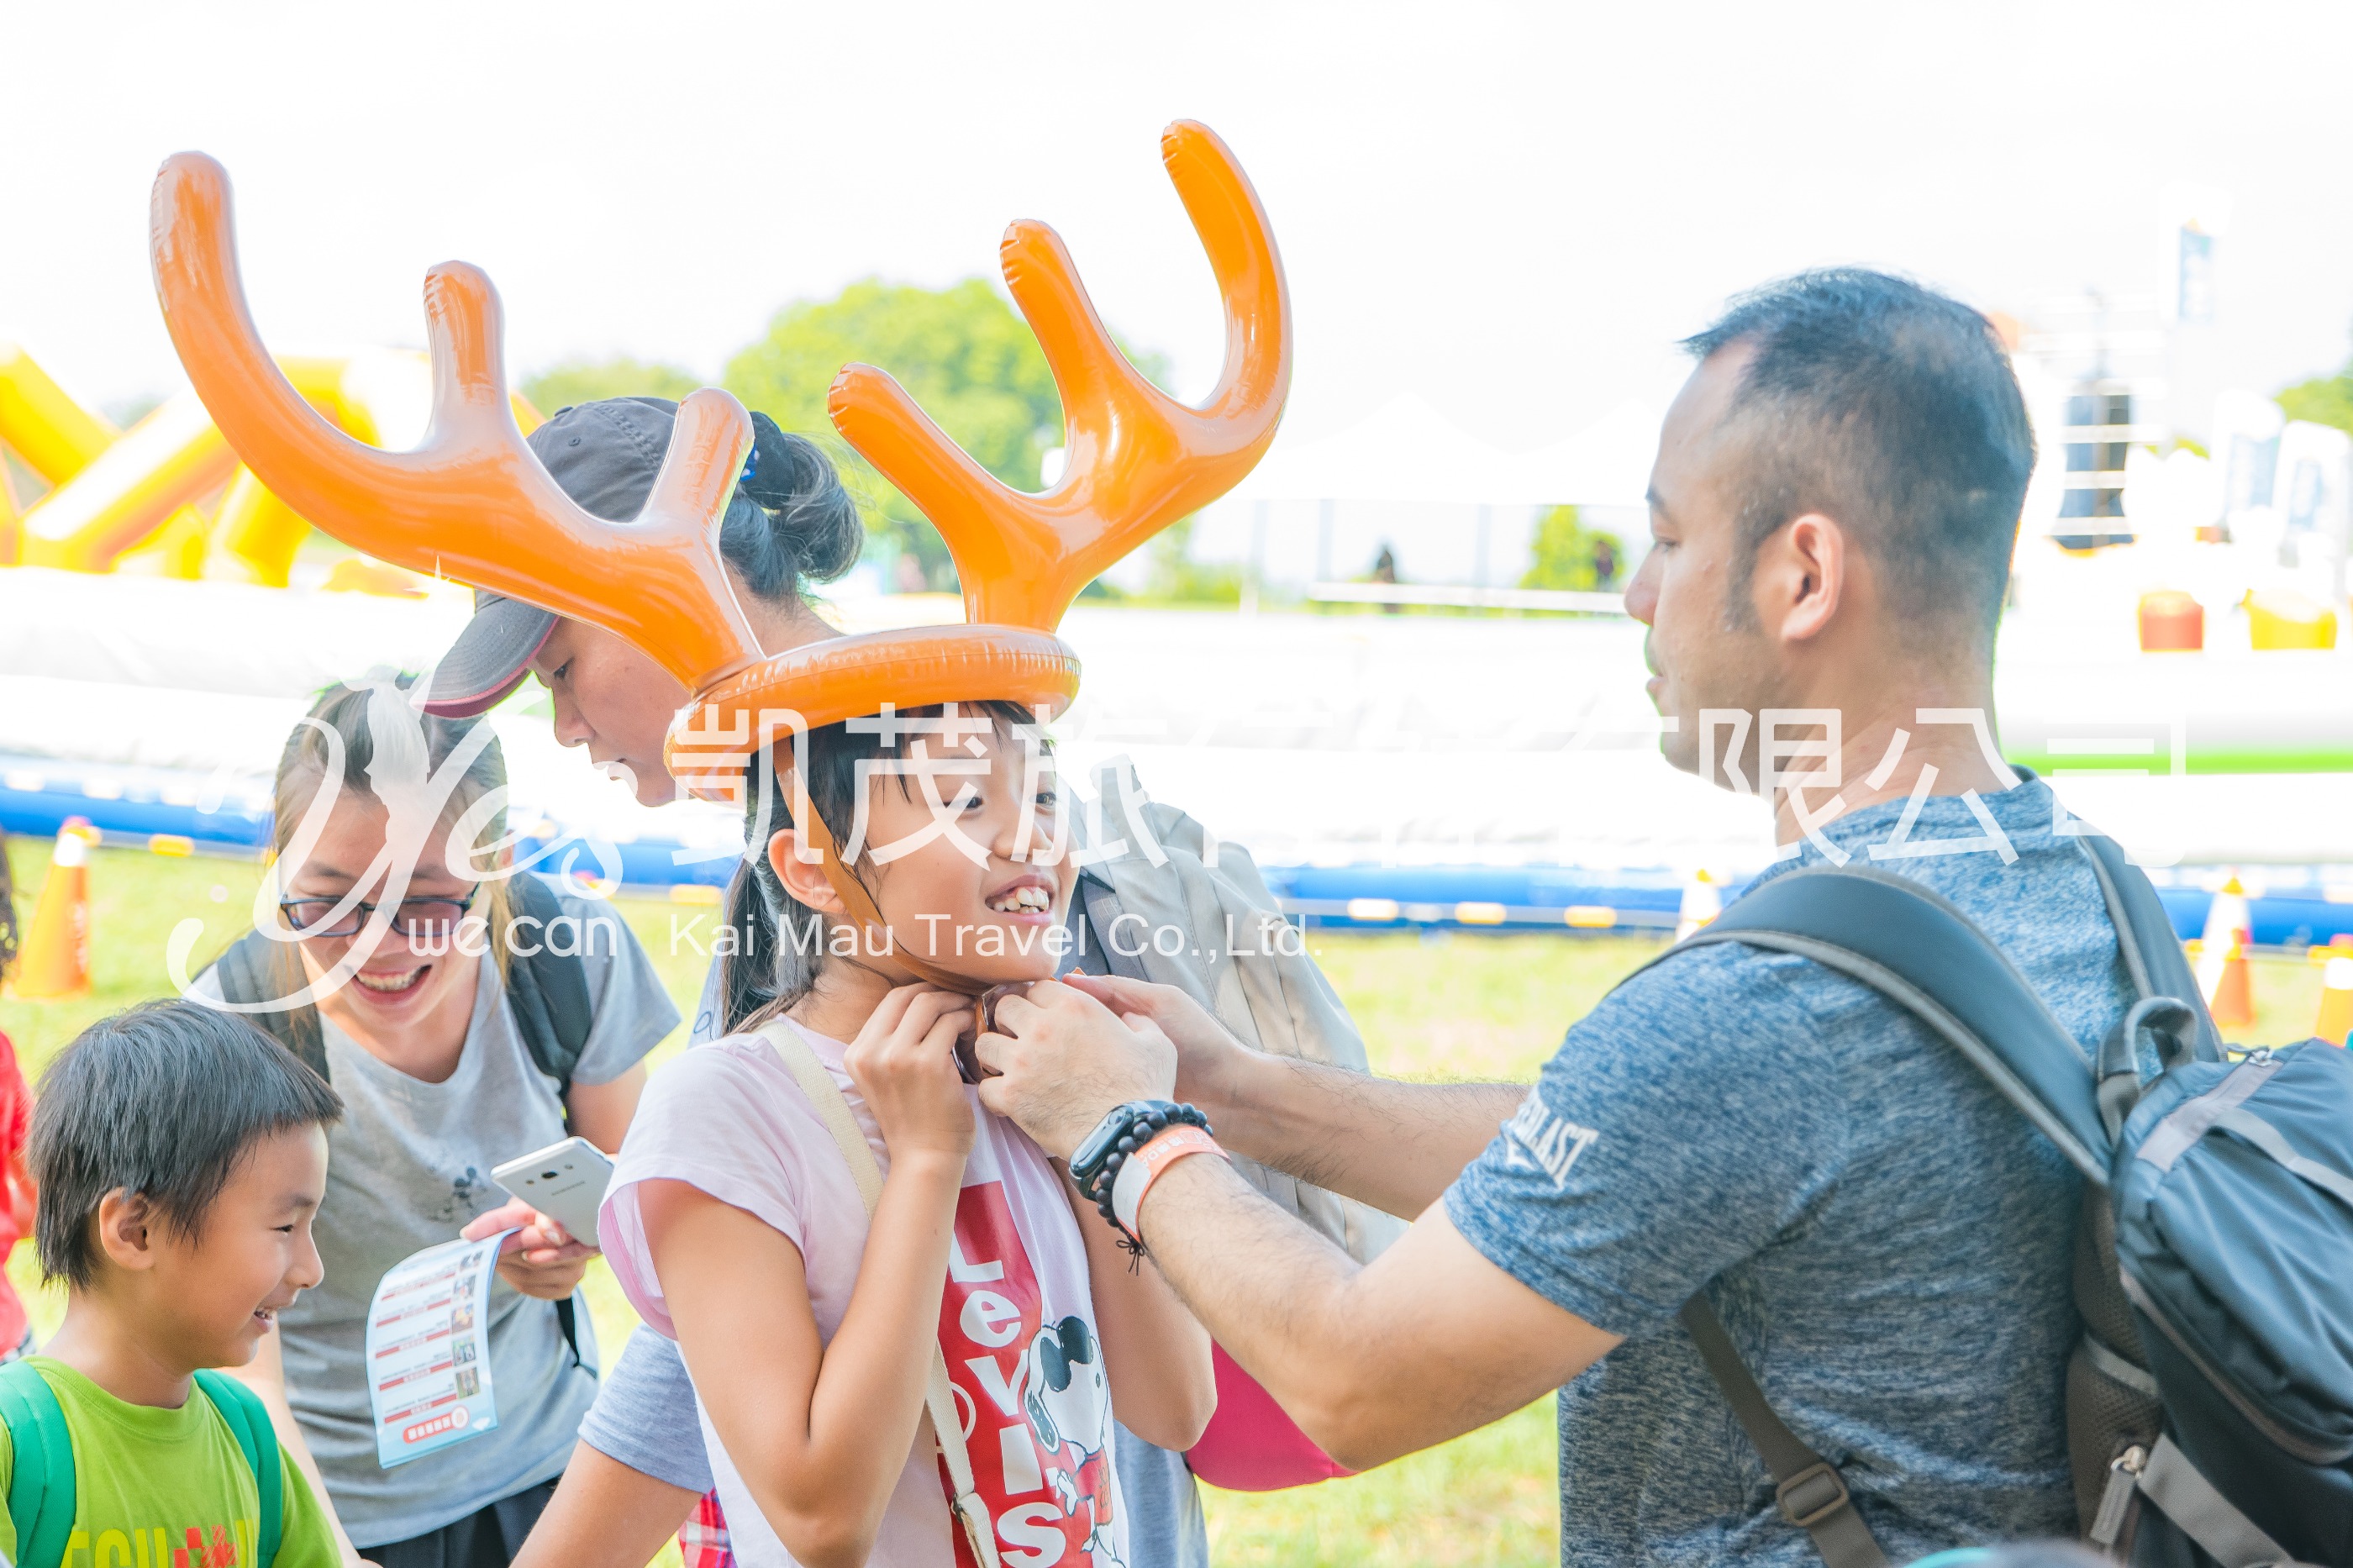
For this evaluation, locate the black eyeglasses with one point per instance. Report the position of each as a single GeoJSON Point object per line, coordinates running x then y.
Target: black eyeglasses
{"type": "Point", "coordinates": [433, 919]}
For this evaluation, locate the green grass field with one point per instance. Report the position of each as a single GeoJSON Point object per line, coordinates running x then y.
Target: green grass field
{"type": "Point", "coordinates": [1438, 1007]}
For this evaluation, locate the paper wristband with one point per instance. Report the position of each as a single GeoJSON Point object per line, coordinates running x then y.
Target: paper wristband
{"type": "Point", "coordinates": [1138, 1172]}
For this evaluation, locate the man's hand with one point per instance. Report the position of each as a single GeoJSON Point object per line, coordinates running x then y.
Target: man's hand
{"type": "Point", "coordinates": [1209, 1061]}
{"type": "Point", "coordinates": [539, 1259]}
{"type": "Point", "coordinates": [1066, 1060]}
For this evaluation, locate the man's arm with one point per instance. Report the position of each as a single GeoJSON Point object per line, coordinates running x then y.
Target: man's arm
{"type": "Point", "coordinates": [1426, 1342]}
{"type": "Point", "coordinates": [1430, 1342]}
{"type": "Point", "coordinates": [1396, 1146]}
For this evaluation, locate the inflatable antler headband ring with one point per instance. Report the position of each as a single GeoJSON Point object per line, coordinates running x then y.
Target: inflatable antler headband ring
{"type": "Point", "coordinates": [475, 504]}
{"type": "Point", "coordinates": [472, 502]}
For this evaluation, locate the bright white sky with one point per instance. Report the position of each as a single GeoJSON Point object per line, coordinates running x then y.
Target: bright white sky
{"type": "Point", "coordinates": [1511, 211]}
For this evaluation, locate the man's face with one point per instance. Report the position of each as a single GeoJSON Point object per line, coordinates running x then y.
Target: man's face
{"type": "Point", "coordinates": [1703, 650]}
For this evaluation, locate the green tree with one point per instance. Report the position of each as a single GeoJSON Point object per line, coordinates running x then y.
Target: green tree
{"type": "Point", "coordinates": [961, 352]}
{"type": "Point", "coordinates": [592, 381]}
{"type": "Point", "coordinates": [1569, 555]}
{"type": "Point", "coordinates": [2323, 400]}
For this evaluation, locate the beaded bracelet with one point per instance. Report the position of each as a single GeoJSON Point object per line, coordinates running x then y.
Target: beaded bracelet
{"type": "Point", "coordinates": [1096, 1166]}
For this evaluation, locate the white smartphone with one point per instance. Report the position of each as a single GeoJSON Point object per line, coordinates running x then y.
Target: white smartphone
{"type": "Point", "coordinates": [564, 1181]}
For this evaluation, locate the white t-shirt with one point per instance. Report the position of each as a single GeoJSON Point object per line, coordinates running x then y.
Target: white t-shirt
{"type": "Point", "coordinates": [1016, 1322]}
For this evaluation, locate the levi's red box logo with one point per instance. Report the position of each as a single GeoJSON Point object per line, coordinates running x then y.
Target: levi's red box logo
{"type": "Point", "coordinates": [1031, 1396]}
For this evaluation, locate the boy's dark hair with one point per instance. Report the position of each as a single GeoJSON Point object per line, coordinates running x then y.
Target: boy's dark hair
{"type": "Point", "coordinates": [1893, 409]}
{"type": "Point", "coordinates": [164, 1099]}
{"type": "Point", "coordinates": [7, 909]}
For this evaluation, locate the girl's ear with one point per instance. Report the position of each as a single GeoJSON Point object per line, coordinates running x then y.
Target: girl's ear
{"type": "Point", "coordinates": [804, 880]}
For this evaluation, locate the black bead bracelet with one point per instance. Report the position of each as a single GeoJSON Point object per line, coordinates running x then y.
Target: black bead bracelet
{"type": "Point", "coordinates": [1095, 1167]}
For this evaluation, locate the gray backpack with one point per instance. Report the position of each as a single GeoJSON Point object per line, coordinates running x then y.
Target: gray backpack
{"type": "Point", "coordinates": [2210, 1400]}
{"type": "Point", "coordinates": [1168, 872]}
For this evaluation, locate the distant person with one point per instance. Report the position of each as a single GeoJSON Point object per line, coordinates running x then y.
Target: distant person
{"type": "Point", "coordinates": [16, 1190]}
{"type": "Point", "coordinates": [181, 1156]}
{"type": "Point", "coordinates": [1384, 570]}
{"type": "Point", "coordinates": [451, 1049]}
{"type": "Point", "coordinates": [1605, 562]}
{"type": "Point", "coordinates": [1888, 1240]}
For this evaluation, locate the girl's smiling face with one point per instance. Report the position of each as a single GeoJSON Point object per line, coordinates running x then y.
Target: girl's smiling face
{"type": "Point", "coordinates": [963, 856]}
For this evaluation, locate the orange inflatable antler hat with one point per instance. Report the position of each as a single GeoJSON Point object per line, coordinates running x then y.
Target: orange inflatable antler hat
{"type": "Point", "coordinates": [1138, 461]}
{"type": "Point", "coordinates": [472, 502]}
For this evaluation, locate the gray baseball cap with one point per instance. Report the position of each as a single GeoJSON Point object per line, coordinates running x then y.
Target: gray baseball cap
{"type": "Point", "coordinates": [605, 456]}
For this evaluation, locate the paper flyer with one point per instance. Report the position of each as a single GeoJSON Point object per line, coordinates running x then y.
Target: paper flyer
{"type": "Point", "coordinates": [428, 1350]}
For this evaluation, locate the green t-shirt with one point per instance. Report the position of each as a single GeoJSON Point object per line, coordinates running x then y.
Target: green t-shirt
{"type": "Point", "coordinates": [165, 1489]}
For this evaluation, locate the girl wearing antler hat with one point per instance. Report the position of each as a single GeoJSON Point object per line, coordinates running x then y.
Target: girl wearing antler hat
{"type": "Point", "coordinates": [736, 1225]}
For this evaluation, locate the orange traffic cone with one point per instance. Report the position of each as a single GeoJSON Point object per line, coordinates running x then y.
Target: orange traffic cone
{"type": "Point", "coordinates": [2223, 972]}
{"type": "Point", "coordinates": [55, 958]}
{"type": "Point", "coordinates": [1701, 903]}
{"type": "Point", "coordinates": [2335, 1018]}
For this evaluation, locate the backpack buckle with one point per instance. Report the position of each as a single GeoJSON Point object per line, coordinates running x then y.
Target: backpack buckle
{"type": "Point", "coordinates": [1812, 1495]}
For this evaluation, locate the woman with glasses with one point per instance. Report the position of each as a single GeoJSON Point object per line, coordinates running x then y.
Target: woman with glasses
{"type": "Point", "coordinates": [432, 1021]}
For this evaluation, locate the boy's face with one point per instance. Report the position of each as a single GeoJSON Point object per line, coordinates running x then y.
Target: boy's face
{"type": "Point", "coordinates": [220, 1289]}
{"type": "Point", "coordinates": [986, 906]}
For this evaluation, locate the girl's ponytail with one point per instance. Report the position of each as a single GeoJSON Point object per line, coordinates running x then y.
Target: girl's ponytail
{"type": "Point", "coordinates": [792, 520]}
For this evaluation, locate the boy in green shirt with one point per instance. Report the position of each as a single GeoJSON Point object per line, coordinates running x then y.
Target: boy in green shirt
{"type": "Point", "coordinates": [180, 1155]}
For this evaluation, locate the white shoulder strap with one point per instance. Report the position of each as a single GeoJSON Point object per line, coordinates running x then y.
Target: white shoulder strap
{"type": "Point", "coordinates": [939, 1399]}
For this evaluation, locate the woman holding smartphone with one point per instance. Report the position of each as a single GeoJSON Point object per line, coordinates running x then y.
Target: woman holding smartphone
{"type": "Point", "coordinates": [491, 1019]}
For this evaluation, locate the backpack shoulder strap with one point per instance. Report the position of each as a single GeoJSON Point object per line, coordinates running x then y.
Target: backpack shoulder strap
{"type": "Point", "coordinates": [1809, 1490]}
{"type": "Point", "coordinates": [939, 1394]}
{"type": "Point", "coordinates": [248, 973]}
{"type": "Point", "coordinates": [549, 990]}
{"type": "Point", "coordinates": [2151, 947]}
{"type": "Point", "coordinates": [1921, 952]}
{"type": "Point", "coordinates": [249, 1423]}
{"type": "Point", "coordinates": [41, 1495]}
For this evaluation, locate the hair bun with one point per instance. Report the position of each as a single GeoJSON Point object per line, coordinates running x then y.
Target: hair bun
{"type": "Point", "coordinates": [813, 526]}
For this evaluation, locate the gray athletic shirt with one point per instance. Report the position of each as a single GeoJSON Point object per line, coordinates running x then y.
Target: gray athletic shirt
{"type": "Point", "coordinates": [645, 1417]}
{"type": "Point", "coordinates": [408, 1167]}
{"type": "Point", "coordinates": [1886, 1238]}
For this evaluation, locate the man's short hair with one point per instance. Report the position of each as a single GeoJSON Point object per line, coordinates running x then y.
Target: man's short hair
{"type": "Point", "coordinates": [163, 1100]}
{"type": "Point", "coordinates": [1894, 410]}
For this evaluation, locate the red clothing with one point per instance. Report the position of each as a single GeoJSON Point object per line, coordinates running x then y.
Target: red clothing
{"type": "Point", "coordinates": [15, 1186]}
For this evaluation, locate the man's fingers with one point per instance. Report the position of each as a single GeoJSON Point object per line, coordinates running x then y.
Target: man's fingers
{"type": "Point", "coordinates": [991, 1051]}
{"type": "Point", "coordinates": [997, 1096]}
{"type": "Point", "coordinates": [1143, 1023]}
{"type": "Point", "coordinates": [1122, 992]}
{"type": "Point", "coordinates": [1013, 1010]}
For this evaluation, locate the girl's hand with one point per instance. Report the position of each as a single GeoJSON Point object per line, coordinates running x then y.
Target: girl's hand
{"type": "Point", "coordinates": [903, 1063]}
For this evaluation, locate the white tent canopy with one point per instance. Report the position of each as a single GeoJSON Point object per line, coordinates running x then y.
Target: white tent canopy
{"type": "Point", "coordinates": [1408, 451]}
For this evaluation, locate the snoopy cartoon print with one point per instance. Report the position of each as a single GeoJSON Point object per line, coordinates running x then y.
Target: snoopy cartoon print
{"type": "Point", "coordinates": [1068, 1399]}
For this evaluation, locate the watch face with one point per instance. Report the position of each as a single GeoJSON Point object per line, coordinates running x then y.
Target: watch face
{"type": "Point", "coordinates": [1099, 1142]}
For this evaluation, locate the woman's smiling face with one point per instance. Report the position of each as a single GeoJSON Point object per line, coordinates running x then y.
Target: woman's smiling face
{"type": "Point", "coordinates": [409, 980]}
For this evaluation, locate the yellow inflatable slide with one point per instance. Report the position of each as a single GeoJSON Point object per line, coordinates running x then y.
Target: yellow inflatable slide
{"type": "Point", "coordinates": [169, 486]}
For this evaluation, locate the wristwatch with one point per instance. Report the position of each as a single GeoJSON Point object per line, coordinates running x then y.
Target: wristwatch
{"type": "Point", "coordinates": [1123, 1130]}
